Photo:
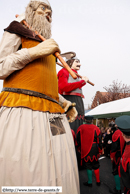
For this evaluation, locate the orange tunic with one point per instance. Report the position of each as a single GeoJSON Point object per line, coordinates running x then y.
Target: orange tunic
{"type": "Point", "coordinates": [40, 76]}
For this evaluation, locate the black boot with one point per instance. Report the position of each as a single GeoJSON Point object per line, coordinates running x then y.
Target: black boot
{"type": "Point", "coordinates": [114, 191]}
{"type": "Point", "coordinates": [87, 184]}
{"type": "Point", "coordinates": [98, 183]}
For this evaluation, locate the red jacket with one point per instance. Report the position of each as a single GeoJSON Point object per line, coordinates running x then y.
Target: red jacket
{"type": "Point", "coordinates": [63, 84]}
{"type": "Point", "coordinates": [117, 135]}
{"type": "Point", "coordinates": [87, 137]}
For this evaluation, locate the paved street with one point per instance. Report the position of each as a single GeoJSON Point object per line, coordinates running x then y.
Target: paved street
{"type": "Point", "coordinates": [107, 179]}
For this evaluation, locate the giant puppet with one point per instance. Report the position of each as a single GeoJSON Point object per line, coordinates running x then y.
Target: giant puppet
{"type": "Point", "coordinates": [71, 89]}
{"type": "Point", "coordinates": [36, 144]}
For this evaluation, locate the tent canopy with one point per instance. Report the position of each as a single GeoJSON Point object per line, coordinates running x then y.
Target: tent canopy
{"type": "Point", "coordinates": [111, 109]}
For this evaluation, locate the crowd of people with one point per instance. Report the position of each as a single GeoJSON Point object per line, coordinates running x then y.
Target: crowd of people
{"type": "Point", "coordinates": [42, 136]}
{"type": "Point", "coordinates": [112, 142]}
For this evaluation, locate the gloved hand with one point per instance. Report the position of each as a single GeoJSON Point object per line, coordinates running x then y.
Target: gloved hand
{"type": "Point", "coordinates": [44, 48]}
{"type": "Point", "coordinates": [65, 104]}
{"type": "Point", "coordinates": [72, 113]}
{"type": "Point", "coordinates": [85, 78]}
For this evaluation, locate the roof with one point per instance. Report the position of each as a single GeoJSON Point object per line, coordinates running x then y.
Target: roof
{"type": "Point", "coordinates": [111, 109]}
{"type": "Point", "coordinates": [99, 98]}
{"type": "Point", "coordinates": [104, 97]}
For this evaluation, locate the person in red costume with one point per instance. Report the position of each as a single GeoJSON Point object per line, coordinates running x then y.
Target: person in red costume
{"type": "Point", "coordinates": [116, 152]}
{"type": "Point", "coordinates": [71, 89]}
{"type": "Point", "coordinates": [89, 141]}
{"type": "Point", "coordinates": [123, 123]}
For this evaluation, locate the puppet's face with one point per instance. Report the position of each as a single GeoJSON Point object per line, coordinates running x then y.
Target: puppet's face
{"type": "Point", "coordinates": [76, 65]}
{"type": "Point", "coordinates": [44, 10]}
{"type": "Point", "coordinates": [38, 16]}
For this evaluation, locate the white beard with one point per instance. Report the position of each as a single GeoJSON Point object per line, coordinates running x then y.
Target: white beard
{"type": "Point", "coordinates": [41, 25]}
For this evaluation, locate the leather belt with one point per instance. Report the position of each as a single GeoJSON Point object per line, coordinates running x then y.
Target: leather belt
{"type": "Point", "coordinates": [73, 93]}
{"type": "Point", "coordinates": [29, 92]}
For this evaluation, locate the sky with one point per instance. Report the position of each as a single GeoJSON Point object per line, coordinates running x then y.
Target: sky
{"type": "Point", "coordinates": [98, 31]}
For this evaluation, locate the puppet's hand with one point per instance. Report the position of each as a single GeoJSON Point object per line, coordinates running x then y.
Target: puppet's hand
{"type": "Point", "coordinates": [72, 114]}
{"type": "Point", "coordinates": [45, 48]}
{"type": "Point", "coordinates": [85, 78]}
{"type": "Point", "coordinates": [65, 104]}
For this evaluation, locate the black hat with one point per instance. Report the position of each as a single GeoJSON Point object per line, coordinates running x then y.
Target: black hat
{"type": "Point", "coordinates": [113, 128]}
{"type": "Point", "coordinates": [88, 117]}
{"type": "Point", "coordinates": [123, 123]}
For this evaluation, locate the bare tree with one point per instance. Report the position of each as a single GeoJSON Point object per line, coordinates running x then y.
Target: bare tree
{"type": "Point", "coordinates": [114, 91]}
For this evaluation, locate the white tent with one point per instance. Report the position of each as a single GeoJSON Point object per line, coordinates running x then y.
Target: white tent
{"type": "Point", "coordinates": [111, 109]}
